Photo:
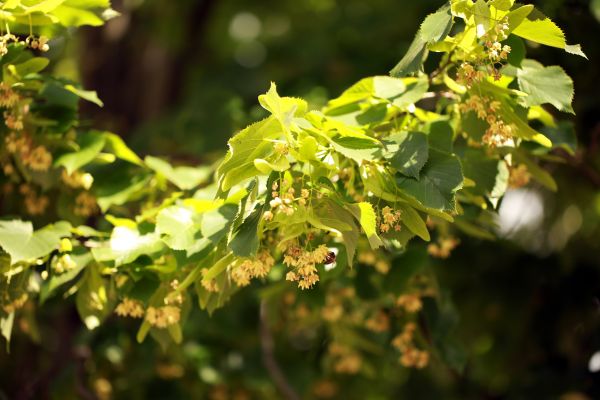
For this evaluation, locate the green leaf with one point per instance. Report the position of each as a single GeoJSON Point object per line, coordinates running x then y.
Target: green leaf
{"type": "Point", "coordinates": [356, 148]}
{"type": "Point", "coordinates": [185, 178]}
{"type": "Point", "coordinates": [380, 87]}
{"type": "Point", "coordinates": [538, 28]}
{"type": "Point", "coordinates": [44, 6]}
{"type": "Point", "coordinates": [266, 167]}
{"type": "Point", "coordinates": [126, 245]}
{"type": "Point", "coordinates": [90, 145]}
{"type": "Point", "coordinates": [365, 214]}
{"type": "Point", "coordinates": [19, 240]}
{"type": "Point", "coordinates": [490, 175]}
{"type": "Point", "coordinates": [217, 223]}
{"type": "Point", "coordinates": [116, 145]}
{"type": "Point", "coordinates": [575, 49]}
{"type": "Point", "coordinates": [537, 172]}
{"type": "Point", "coordinates": [546, 85]}
{"type": "Point", "coordinates": [541, 29]}
{"type": "Point", "coordinates": [329, 215]}
{"type": "Point", "coordinates": [93, 301]}
{"type": "Point", "coordinates": [415, 89]}
{"type": "Point", "coordinates": [282, 108]}
{"type": "Point", "coordinates": [483, 17]}
{"type": "Point", "coordinates": [412, 62]}
{"type": "Point", "coordinates": [563, 136]}
{"type": "Point", "coordinates": [407, 152]}
{"type": "Point", "coordinates": [31, 66]}
{"type": "Point", "coordinates": [503, 5]}
{"type": "Point", "coordinates": [440, 179]}
{"type": "Point", "coordinates": [440, 136]}
{"type": "Point", "coordinates": [179, 226]}
{"type": "Point", "coordinates": [81, 260]}
{"type": "Point", "coordinates": [413, 221]}
{"type": "Point", "coordinates": [251, 143]}
{"type": "Point", "coordinates": [118, 188]}
{"type": "Point", "coordinates": [244, 242]}
{"type": "Point", "coordinates": [437, 25]}
{"type": "Point", "coordinates": [6, 325]}
{"type": "Point", "coordinates": [473, 230]}
{"type": "Point", "coordinates": [517, 53]}
{"type": "Point", "coordinates": [88, 95]}
{"type": "Point", "coordinates": [75, 13]}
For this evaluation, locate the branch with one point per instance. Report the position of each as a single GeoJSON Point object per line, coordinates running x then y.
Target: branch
{"type": "Point", "coordinates": [269, 361]}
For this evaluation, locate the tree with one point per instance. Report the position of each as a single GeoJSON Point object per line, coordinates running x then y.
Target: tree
{"type": "Point", "coordinates": [304, 199]}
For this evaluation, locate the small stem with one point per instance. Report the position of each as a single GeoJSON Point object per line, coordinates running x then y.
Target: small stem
{"type": "Point", "coordinates": [269, 361]}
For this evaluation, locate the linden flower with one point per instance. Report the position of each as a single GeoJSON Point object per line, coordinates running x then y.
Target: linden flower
{"type": "Point", "coordinates": [15, 304]}
{"type": "Point", "coordinates": [63, 264]}
{"type": "Point", "coordinates": [268, 215]}
{"type": "Point", "coordinates": [519, 176]}
{"type": "Point", "coordinates": [410, 302]}
{"type": "Point", "coordinates": [85, 204]}
{"type": "Point", "coordinates": [162, 317]}
{"type": "Point", "coordinates": [250, 269]}
{"type": "Point", "coordinates": [38, 160]}
{"type": "Point", "coordinates": [130, 308]}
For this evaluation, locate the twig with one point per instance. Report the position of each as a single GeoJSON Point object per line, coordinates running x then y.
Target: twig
{"type": "Point", "coordinates": [269, 361]}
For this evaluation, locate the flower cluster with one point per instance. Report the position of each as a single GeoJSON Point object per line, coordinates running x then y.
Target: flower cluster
{"type": "Point", "coordinates": [346, 360]}
{"type": "Point", "coordinates": [85, 205]}
{"type": "Point", "coordinates": [77, 179]}
{"type": "Point", "coordinates": [284, 202]}
{"type": "Point", "coordinates": [443, 248]}
{"type": "Point", "coordinates": [281, 148]}
{"type": "Point", "coordinates": [63, 264]}
{"type": "Point", "coordinates": [35, 157]}
{"type": "Point", "coordinates": [369, 257]}
{"type": "Point", "coordinates": [379, 322]}
{"type": "Point", "coordinates": [35, 204]}
{"type": "Point", "coordinates": [162, 317]}
{"type": "Point", "coordinates": [334, 304]}
{"type": "Point", "coordinates": [40, 43]}
{"type": "Point", "coordinates": [15, 304]}
{"type": "Point", "coordinates": [130, 308]}
{"type": "Point", "coordinates": [252, 268]}
{"type": "Point", "coordinates": [468, 75]}
{"type": "Point", "coordinates": [411, 357]}
{"type": "Point", "coordinates": [499, 132]}
{"type": "Point", "coordinates": [176, 296]}
{"type": "Point", "coordinates": [410, 303]}
{"type": "Point", "coordinates": [304, 265]}
{"type": "Point", "coordinates": [390, 219]}
{"type": "Point", "coordinates": [519, 176]}
{"type": "Point", "coordinates": [8, 97]}
{"type": "Point", "coordinates": [209, 284]}
{"type": "Point", "coordinates": [496, 52]}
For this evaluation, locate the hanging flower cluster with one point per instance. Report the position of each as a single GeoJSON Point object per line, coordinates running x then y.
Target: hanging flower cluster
{"type": "Point", "coordinates": [252, 268]}
{"type": "Point", "coordinates": [411, 357]}
{"type": "Point", "coordinates": [443, 247]}
{"type": "Point", "coordinates": [499, 132]}
{"type": "Point", "coordinates": [304, 265]}
{"type": "Point", "coordinates": [11, 306]}
{"type": "Point", "coordinates": [63, 264]}
{"type": "Point", "coordinates": [130, 308]}
{"type": "Point", "coordinates": [390, 219]}
{"type": "Point", "coordinates": [346, 360]}
{"type": "Point", "coordinates": [519, 176]}
{"type": "Point", "coordinates": [162, 317]}
{"type": "Point", "coordinates": [285, 202]}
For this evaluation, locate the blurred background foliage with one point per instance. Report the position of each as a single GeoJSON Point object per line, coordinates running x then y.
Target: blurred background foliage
{"type": "Point", "coordinates": [179, 77]}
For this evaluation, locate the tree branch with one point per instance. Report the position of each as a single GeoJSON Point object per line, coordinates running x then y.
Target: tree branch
{"type": "Point", "coordinates": [269, 361]}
